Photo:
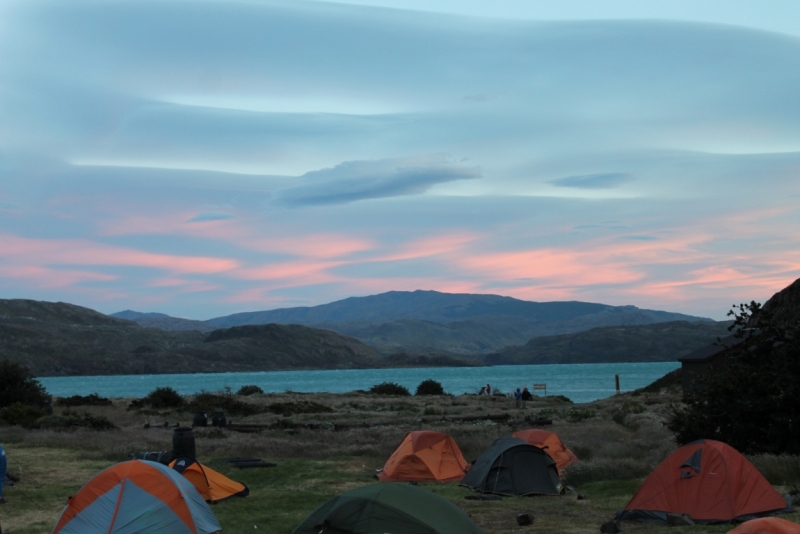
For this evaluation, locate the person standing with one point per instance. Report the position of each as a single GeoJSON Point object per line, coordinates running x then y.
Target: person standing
{"type": "Point", "coordinates": [488, 390]}
{"type": "Point", "coordinates": [3, 468]}
{"type": "Point", "coordinates": [518, 398]}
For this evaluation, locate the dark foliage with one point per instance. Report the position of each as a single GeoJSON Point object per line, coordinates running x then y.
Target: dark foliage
{"type": "Point", "coordinates": [429, 387]}
{"type": "Point", "coordinates": [18, 385]}
{"type": "Point", "coordinates": [249, 390]}
{"type": "Point", "coordinates": [289, 408]}
{"type": "Point", "coordinates": [159, 399]}
{"type": "Point", "coordinates": [210, 402]}
{"type": "Point", "coordinates": [20, 415]}
{"type": "Point", "coordinates": [752, 403]}
{"type": "Point", "coordinates": [72, 419]}
{"type": "Point", "coordinates": [88, 400]}
{"type": "Point", "coordinates": [389, 388]}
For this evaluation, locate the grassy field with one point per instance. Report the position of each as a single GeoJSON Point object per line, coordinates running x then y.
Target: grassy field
{"type": "Point", "coordinates": [619, 440]}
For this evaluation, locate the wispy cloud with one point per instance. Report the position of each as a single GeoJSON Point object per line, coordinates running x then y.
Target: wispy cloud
{"type": "Point", "coordinates": [361, 180]}
{"type": "Point", "coordinates": [211, 216]}
{"type": "Point", "coordinates": [594, 181]}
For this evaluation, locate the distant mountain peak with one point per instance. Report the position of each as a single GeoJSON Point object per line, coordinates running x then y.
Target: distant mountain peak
{"type": "Point", "coordinates": [131, 315]}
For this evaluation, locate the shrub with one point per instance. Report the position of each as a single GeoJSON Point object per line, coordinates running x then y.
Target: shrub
{"type": "Point", "coordinates": [628, 407]}
{"type": "Point", "coordinates": [429, 410]}
{"type": "Point", "coordinates": [288, 408]}
{"type": "Point", "coordinates": [72, 419]}
{"type": "Point", "coordinates": [89, 400]}
{"type": "Point", "coordinates": [249, 390]}
{"type": "Point", "coordinates": [20, 414]}
{"type": "Point", "coordinates": [209, 402]}
{"type": "Point", "coordinates": [158, 399]}
{"type": "Point", "coordinates": [389, 388]}
{"type": "Point", "coordinates": [18, 385]}
{"type": "Point", "coordinates": [576, 415]}
{"type": "Point", "coordinates": [429, 387]}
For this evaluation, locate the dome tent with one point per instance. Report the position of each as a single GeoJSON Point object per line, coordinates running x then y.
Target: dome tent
{"type": "Point", "coordinates": [137, 496]}
{"type": "Point", "coordinates": [213, 486]}
{"type": "Point", "coordinates": [709, 481]}
{"type": "Point", "coordinates": [390, 507]}
{"type": "Point", "coordinates": [766, 525]}
{"type": "Point", "coordinates": [551, 443]}
{"type": "Point", "coordinates": [512, 467]}
{"type": "Point", "coordinates": [425, 455]}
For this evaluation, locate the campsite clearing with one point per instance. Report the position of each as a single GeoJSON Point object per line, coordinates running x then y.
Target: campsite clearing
{"type": "Point", "coordinates": [618, 441]}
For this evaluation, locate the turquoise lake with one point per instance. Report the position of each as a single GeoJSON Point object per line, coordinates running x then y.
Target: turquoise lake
{"type": "Point", "coordinates": [579, 382]}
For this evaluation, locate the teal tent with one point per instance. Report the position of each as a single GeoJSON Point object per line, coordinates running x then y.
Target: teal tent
{"type": "Point", "coordinates": [388, 507]}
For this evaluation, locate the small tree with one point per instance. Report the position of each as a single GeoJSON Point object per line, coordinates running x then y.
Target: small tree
{"type": "Point", "coordinates": [17, 384]}
{"type": "Point", "coordinates": [429, 387]}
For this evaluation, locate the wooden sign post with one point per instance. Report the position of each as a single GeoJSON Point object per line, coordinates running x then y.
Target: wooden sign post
{"type": "Point", "coordinates": [540, 387]}
{"type": "Point", "coordinates": [616, 379]}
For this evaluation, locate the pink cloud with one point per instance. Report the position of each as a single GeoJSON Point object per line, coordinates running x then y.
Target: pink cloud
{"type": "Point", "coordinates": [83, 252]}
{"type": "Point", "coordinates": [430, 246]}
{"type": "Point", "coordinates": [53, 278]}
{"type": "Point", "coordinates": [311, 245]}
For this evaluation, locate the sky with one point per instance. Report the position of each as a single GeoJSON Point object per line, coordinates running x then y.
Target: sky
{"type": "Point", "coordinates": [201, 158]}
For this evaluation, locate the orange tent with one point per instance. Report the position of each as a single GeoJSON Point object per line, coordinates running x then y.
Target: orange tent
{"type": "Point", "coordinates": [707, 480]}
{"type": "Point", "coordinates": [551, 443]}
{"type": "Point", "coordinates": [137, 496]}
{"type": "Point", "coordinates": [767, 525]}
{"type": "Point", "coordinates": [213, 486]}
{"type": "Point", "coordinates": [425, 455]}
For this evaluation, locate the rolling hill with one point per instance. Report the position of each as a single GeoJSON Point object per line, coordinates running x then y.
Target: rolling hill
{"type": "Point", "coordinates": [641, 343]}
{"type": "Point", "coordinates": [429, 321]}
{"type": "Point", "coordinates": [63, 339]}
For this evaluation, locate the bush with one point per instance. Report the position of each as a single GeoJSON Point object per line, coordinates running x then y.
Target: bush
{"type": "Point", "coordinates": [576, 415]}
{"type": "Point", "coordinates": [249, 390]}
{"type": "Point", "coordinates": [288, 408]}
{"type": "Point", "coordinates": [18, 385]}
{"type": "Point", "coordinates": [389, 388]}
{"type": "Point", "coordinates": [21, 415]}
{"type": "Point", "coordinates": [159, 399]}
{"type": "Point", "coordinates": [89, 400]}
{"type": "Point", "coordinates": [72, 419]}
{"type": "Point", "coordinates": [429, 387]}
{"type": "Point", "coordinates": [209, 402]}
{"type": "Point", "coordinates": [628, 407]}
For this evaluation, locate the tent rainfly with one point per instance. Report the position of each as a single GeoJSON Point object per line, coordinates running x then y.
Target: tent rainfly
{"type": "Point", "coordinates": [512, 467]}
{"type": "Point", "coordinates": [389, 507]}
{"type": "Point", "coordinates": [767, 525]}
{"type": "Point", "coordinates": [137, 496]}
{"type": "Point", "coordinates": [425, 455]}
{"type": "Point", "coordinates": [213, 486]}
{"type": "Point", "coordinates": [707, 480]}
{"type": "Point", "coordinates": [551, 443]}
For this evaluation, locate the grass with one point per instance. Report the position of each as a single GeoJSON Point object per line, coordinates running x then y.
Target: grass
{"type": "Point", "coordinates": [315, 464]}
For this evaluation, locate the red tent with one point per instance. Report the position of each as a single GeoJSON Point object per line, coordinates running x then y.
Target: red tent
{"type": "Point", "coordinates": [425, 455]}
{"type": "Point", "coordinates": [767, 525]}
{"type": "Point", "coordinates": [707, 480]}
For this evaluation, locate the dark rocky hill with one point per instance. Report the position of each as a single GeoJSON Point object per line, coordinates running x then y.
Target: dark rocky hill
{"type": "Point", "coordinates": [640, 343]}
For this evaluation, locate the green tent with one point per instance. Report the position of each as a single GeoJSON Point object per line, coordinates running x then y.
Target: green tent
{"type": "Point", "coordinates": [390, 508]}
{"type": "Point", "coordinates": [511, 466]}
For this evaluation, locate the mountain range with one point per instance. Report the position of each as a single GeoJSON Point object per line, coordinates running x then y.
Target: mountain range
{"type": "Point", "coordinates": [430, 321]}
{"type": "Point", "coordinates": [64, 339]}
